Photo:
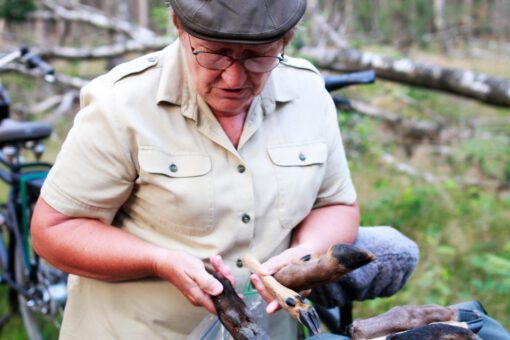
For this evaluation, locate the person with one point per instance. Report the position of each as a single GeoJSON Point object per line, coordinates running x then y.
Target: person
{"type": "Point", "coordinates": [181, 161]}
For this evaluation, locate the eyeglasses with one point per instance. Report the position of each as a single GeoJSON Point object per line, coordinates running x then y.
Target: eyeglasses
{"type": "Point", "coordinates": [217, 61]}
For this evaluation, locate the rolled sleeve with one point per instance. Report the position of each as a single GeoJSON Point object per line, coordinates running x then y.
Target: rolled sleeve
{"type": "Point", "coordinates": [94, 171]}
{"type": "Point", "coordinates": [337, 186]}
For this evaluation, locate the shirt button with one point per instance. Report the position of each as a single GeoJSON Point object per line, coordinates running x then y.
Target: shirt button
{"type": "Point", "coordinates": [302, 157]}
{"type": "Point", "coordinates": [173, 167]}
{"type": "Point", "coordinates": [246, 218]}
{"type": "Point", "coordinates": [241, 168]}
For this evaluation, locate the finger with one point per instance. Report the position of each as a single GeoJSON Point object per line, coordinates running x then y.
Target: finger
{"type": "Point", "coordinates": [272, 307]}
{"type": "Point", "coordinates": [220, 267]}
{"type": "Point", "coordinates": [275, 263]}
{"type": "Point", "coordinates": [199, 298]}
{"type": "Point", "coordinates": [261, 288]}
{"type": "Point", "coordinates": [305, 293]}
{"type": "Point", "coordinates": [207, 282]}
{"type": "Point", "coordinates": [272, 265]}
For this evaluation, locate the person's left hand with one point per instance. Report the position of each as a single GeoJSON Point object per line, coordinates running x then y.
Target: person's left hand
{"type": "Point", "coordinates": [271, 266]}
{"type": "Point", "coordinates": [220, 267]}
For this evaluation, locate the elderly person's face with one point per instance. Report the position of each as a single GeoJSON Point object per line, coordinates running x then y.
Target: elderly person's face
{"type": "Point", "coordinates": [230, 91]}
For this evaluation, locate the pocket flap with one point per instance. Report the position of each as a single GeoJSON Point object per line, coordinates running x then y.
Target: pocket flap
{"type": "Point", "coordinates": [175, 165]}
{"type": "Point", "coordinates": [298, 154]}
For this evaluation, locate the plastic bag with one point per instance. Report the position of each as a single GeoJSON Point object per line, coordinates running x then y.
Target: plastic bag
{"type": "Point", "coordinates": [210, 328]}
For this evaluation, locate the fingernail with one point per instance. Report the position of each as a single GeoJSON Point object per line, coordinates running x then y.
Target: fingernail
{"type": "Point", "coordinates": [217, 289]}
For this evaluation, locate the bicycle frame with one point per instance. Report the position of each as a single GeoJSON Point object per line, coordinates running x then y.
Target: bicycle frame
{"type": "Point", "coordinates": [36, 290]}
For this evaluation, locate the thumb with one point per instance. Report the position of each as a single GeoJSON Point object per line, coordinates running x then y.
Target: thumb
{"type": "Point", "coordinates": [209, 284]}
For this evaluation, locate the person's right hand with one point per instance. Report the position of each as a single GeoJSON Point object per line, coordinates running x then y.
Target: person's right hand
{"type": "Point", "coordinates": [189, 275]}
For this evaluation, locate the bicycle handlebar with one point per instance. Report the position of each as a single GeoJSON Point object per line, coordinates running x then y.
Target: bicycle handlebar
{"type": "Point", "coordinates": [31, 61]}
{"type": "Point", "coordinates": [343, 80]}
{"type": "Point", "coordinates": [34, 61]}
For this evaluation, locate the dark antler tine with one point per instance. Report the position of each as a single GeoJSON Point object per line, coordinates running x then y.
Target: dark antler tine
{"type": "Point", "coordinates": [351, 256]}
{"type": "Point", "coordinates": [472, 319]}
{"type": "Point", "coordinates": [475, 325]}
{"type": "Point", "coordinates": [310, 319]}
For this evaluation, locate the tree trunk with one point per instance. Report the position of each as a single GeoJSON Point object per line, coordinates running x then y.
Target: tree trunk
{"type": "Point", "coordinates": [467, 21]}
{"type": "Point", "coordinates": [143, 13]}
{"type": "Point", "coordinates": [439, 24]}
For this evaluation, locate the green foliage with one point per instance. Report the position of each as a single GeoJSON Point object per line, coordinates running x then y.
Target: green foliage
{"type": "Point", "coordinates": [358, 134]}
{"type": "Point", "coordinates": [14, 328]}
{"type": "Point", "coordinates": [383, 22]}
{"type": "Point", "coordinates": [160, 18]}
{"type": "Point", "coordinates": [491, 156]}
{"type": "Point", "coordinates": [458, 230]}
{"type": "Point", "coordinates": [16, 10]}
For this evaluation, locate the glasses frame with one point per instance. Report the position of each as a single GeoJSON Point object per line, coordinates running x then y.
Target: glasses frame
{"type": "Point", "coordinates": [232, 60]}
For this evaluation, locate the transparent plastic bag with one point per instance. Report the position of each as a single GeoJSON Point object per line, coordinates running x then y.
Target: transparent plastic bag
{"type": "Point", "coordinates": [210, 328]}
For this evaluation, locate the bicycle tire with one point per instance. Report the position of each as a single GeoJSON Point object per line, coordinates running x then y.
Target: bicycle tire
{"type": "Point", "coordinates": [37, 325]}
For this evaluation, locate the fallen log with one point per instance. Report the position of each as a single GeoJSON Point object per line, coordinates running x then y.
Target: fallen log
{"type": "Point", "coordinates": [102, 52]}
{"type": "Point", "coordinates": [466, 83]}
{"type": "Point", "coordinates": [91, 16]}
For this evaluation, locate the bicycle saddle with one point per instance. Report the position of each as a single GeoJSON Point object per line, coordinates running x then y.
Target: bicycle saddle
{"type": "Point", "coordinates": [13, 132]}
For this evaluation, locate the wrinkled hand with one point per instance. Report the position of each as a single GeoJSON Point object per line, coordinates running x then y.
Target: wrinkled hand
{"type": "Point", "coordinates": [190, 276]}
{"type": "Point", "coordinates": [270, 267]}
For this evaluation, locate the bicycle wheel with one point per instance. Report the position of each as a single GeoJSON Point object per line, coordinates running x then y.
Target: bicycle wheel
{"type": "Point", "coordinates": [42, 311]}
{"type": "Point", "coordinates": [6, 266]}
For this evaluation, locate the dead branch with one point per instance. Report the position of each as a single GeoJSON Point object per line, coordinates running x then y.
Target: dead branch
{"type": "Point", "coordinates": [46, 105]}
{"type": "Point", "coordinates": [431, 178]}
{"type": "Point", "coordinates": [102, 52]}
{"type": "Point", "coordinates": [323, 27]}
{"type": "Point", "coordinates": [59, 105]}
{"type": "Point", "coordinates": [61, 79]}
{"type": "Point", "coordinates": [410, 130]}
{"type": "Point", "coordinates": [85, 14]}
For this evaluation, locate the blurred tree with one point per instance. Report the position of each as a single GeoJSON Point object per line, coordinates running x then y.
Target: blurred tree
{"type": "Point", "coordinates": [499, 17]}
{"type": "Point", "coordinates": [16, 10]}
{"type": "Point", "coordinates": [467, 20]}
{"type": "Point", "coordinates": [142, 7]}
{"type": "Point", "coordinates": [440, 25]}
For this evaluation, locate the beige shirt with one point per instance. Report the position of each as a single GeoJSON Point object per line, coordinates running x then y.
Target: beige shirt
{"type": "Point", "coordinates": [147, 155]}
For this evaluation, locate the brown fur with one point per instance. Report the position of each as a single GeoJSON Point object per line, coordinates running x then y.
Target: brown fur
{"type": "Point", "coordinates": [234, 315]}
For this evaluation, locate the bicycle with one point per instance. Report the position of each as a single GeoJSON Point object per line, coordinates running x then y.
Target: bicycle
{"type": "Point", "coordinates": [36, 290]}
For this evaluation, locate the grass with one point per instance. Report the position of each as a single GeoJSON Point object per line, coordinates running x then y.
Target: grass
{"type": "Point", "coordinates": [461, 230]}
{"type": "Point", "coordinates": [13, 329]}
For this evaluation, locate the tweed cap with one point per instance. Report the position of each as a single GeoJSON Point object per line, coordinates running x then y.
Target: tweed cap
{"type": "Point", "coordinates": [239, 21]}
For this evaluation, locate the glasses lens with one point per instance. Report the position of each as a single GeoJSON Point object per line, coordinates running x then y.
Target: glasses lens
{"type": "Point", "coordinates": [216, 61]}
{"type": "Point", "coordinates": [213, 61]}
{"type": "Point", "coordinates": [261, 64]}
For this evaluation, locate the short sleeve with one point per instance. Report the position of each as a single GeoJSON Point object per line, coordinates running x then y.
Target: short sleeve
{"type": "Point", "coordinates": [94, 171]}
{"type": "Point", "coordinates": [337, 186]}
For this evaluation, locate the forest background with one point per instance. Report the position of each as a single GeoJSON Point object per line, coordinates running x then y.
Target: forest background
{"type": "Point", "coordinates": [428, 156]}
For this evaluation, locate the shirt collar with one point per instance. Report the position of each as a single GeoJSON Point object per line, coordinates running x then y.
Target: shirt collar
{"type": "Point", "coordinates": [279, 89]}
{"type": "Point", "coordinates": [174, 85]}
{"type": "Point", "coordinates": [172, 75]}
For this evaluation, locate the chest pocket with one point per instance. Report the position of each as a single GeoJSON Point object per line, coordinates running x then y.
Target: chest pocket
{"type": "Point", "coordinates": [175, 192]}
{"type": "Point", "coordinates": [299, 170]}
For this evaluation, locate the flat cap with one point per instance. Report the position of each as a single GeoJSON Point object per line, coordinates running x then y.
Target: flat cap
{"type": "Point", "coordinates": [239, 21]}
